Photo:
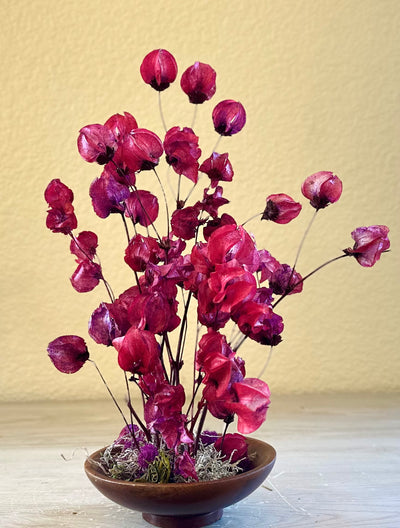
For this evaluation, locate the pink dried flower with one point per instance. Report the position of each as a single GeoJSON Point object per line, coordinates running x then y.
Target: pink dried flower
{"type": "Point", "coordinates": [252, 398]}
{"type": "Point", "coordinates": [107, 195]}
{"type": "Point", "coordinates": [184, 222]}
{"type": "Point", "coordinates": [198, 82]}
{"type": "Point", "coordinates": [138, 351]}
{"type": "Point", "coordinates": [232, 242]}
{"type": "Point", "coordinates": [96, 143]}
{"type": "Point", "coordinates": [121, 125]}
{"type": "Point", "coordinates": [103, 327]}
{"type": "Point", "coordinates": [140, 252]}
{"type": "Point", "coordinates": [322, 189]}
{"type": "Point", "coordinates": [86, 276]}
{"type": "Point", "coordinates": [84, 245]}
{"type": "Point", "coordinates": [141, 150]}
{"type": "Point", "coordinates": [147, 454]}
{"type": "Point", "coordinates": [159, 69]}
{"type": "Point", "coordinates": [218, 168]}
{"type": "Point", "coordinates": [142, 207]}
{"type": "Point", "coordinates": [182, 152]}
{"type": "Point", "coordinates": [229, 117]}
{"type": "Point", "coordinates": [233, 447]}
{"type": "Point", "coordinates": [370, 243]}
{"type": "Point", "coordinates": [257, 321]}
{"type": "Point", "coordinates": [68, 353]}
{"type": "Point", "coordinates": [280, 208]}
{"type": "Point", "coordinates": [60, 217]}
{"type": "Point", "coordinates": [285, 281]}
{"type": "Point", "coordinates": [185, 466]}
{"type": "Point", "coordinates": [58, 194]}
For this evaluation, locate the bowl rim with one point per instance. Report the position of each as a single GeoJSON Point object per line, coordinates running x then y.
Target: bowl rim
{"type": "Point", "coordinates": [96, 473]}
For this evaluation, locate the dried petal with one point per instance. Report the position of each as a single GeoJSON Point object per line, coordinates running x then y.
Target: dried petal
{"type": "Point", "coordinates": [68, 353]}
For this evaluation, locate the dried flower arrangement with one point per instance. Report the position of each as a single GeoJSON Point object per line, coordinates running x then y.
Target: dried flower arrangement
{"type": "Point", "coordinates": [231, 280]}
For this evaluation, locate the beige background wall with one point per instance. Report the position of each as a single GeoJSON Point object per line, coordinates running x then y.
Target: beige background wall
{"type": "Point", "coordinates": [320, 83]}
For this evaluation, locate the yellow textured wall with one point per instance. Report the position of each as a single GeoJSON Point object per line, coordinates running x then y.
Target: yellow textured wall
{"type": "Point", "coordinates": [320, 83]}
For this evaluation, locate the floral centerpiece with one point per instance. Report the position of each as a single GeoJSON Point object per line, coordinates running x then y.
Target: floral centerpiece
{"type": "Point", "coordinates": [204, 257]}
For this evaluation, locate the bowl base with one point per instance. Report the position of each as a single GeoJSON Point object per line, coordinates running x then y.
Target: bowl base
{"type": "Point", "coordinates": [183, 521]}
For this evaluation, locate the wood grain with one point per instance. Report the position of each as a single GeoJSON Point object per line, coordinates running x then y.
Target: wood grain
{"type": "Point", "coordinates": [338, 465]}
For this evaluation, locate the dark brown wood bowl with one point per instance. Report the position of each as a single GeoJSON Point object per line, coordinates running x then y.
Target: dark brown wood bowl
{"type": "Point", "coordinates": [187, 505]}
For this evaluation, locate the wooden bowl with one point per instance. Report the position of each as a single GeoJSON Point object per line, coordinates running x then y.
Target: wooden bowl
{"type": "Point", "coordinates": [184, 505]}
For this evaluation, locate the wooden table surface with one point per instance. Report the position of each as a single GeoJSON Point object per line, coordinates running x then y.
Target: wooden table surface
{"type": "Point", "coordinates": [337, 465]}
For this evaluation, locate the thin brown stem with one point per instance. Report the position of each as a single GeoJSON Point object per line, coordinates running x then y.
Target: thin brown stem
{"type": "Point", "coordinates": [165, 198]}
{"type": "Point", "coordinates": [200, 428]}
{"type": "Point", "coordinates": [307, 276]}
{"type": "Point", "coordinates": [110, 393]}
{"type": "Point", "coordinates": [161, 112]}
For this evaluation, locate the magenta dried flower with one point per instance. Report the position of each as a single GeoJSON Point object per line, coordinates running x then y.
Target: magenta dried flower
{"type": "Point", "coordinates": [137, 351]}
{"type": "Point", "coordinates": [212, 202]}
{"type": "Point", "coordinates": [96, 143]}
{"type": "Point", "coordinates": [322, 189]}
{"type": "Point", "coordinates": [84, 245]}
{"type": "Point", "coordinates": [58, 194]}
{"type": "Point", "coordinates": [121, 125]}
{"type": "Point", "coordinates": [141, 207]}
{"type": "Point", "coordinates": [103, 328]}
{"type": "Point", "coordinates": [68, 353]}
{"type": "Point", "coordinates": [370, 243]}
{"type": "Point", "coordinates": [86, 276]}
{"type": "Point", "coordinates": [60, 217]}
{"type": "Point", "coordinates": [147, 455]}
{"type": "Point", "coordinates": [280, 208]}
{"type": "Point", "coordinates": [140, 252]}
{"type": "Point", "coordinates": [141, 150]}
{"type": "Point", "coordinates": [185, 466]}
{"type": "Point", "coordinates": [218, 168]}
{"type": "Point", "coordinates": [107, 195]}
{"type": "Point", "coordinates": [223, 279]}
{"type": "Point", "coordinates": [229, 117]}
{"type": "Point", "coordinates": [233, 446]}
{"type": "Point", "coordinates": [184, 222]}
{"type": "Point", "coordinates": [159, 69]}
{"type": "Point", "coordinates": [284, 280]}
{"type": "Point", "coordinates": [198, 82]}
{"type": "Point", "coordinates": [182, 152]}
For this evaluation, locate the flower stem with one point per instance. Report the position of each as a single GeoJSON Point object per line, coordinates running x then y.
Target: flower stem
{"type": "Point", "coordinates": [179, 350]}
{"type": "Point", "coordinates": [165, 199]}
{"type": "Point", "coordinates": [110, 393]}
{"type": "Point", "coordinates": [200, 428]}
{"type": "Point", "coordinates": [194, 116]}
{"type": "Point", "coordinates": [126, 227]}
{"type": "Point", "coordinates": [266, 363]}
{"type": "Point", "coordinates": [179, 190]}
{"type": "Point", "coordinates": [307, 276]}
{"type": "Point", "coordinates": [251, 218]}
{"type": "Point", "coordinates": [130, 409]}
{"type": "Point", "coordinates": [303, 240]}
{"type": "Point", "coordinates": [161, 112]}
{"type": "Point", "coordinates": [217, 143]}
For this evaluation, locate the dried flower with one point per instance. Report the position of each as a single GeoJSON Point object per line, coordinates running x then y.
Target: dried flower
{"type": "Point", "coordinates": [280, 208]}
{"type": "Point", "coordinates": [231, 279]}
{"type": "Point", "coordinates": [159, 69]}
{"type": "Point", "coordinates": [370, 243]}
{"type": "Point", "coordinates": [68, 353]}
{"type": "Point", "coordinates": [229, 117]}
{"type": "Point", "coordinates": [198, 82]}
{"type": "Point", "coordinates": [322, 189]}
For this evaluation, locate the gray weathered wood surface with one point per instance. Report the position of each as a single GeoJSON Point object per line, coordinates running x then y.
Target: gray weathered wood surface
{"type": "Point", "coordinates": [338, 465]}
